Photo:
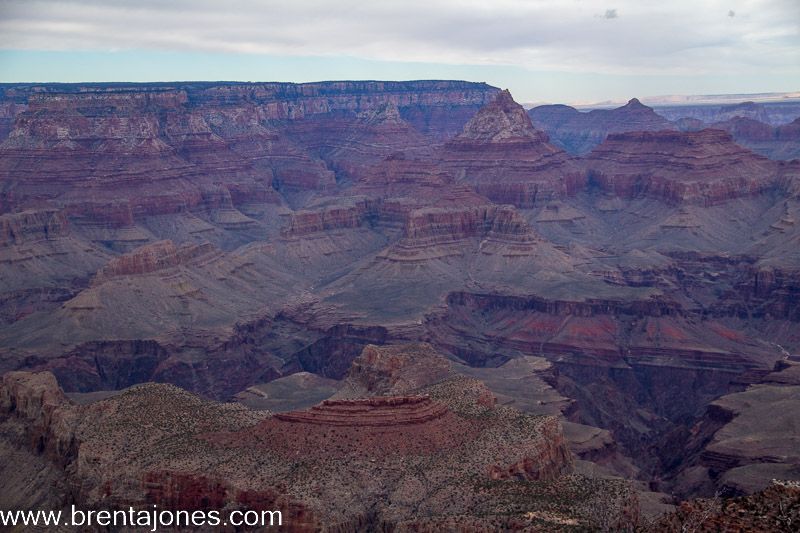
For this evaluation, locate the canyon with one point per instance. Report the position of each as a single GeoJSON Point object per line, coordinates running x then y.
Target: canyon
{"type": "Point", "coordinates": [408, 289]}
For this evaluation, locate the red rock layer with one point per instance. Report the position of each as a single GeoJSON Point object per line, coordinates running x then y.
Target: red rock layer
{"type": "Point", "coordinates": [418, 198]}
{"type": "Point", "coordinates": [437, 232]}
{"type": "Point", "coordinates": [372, 427]}
{"type": "Point", "coordinates": [152, 258]}
{"type": "Point", "coordinates": [592, 332]}
{"type": "Point", "coordinates": [434, 224]}
{"type": "Point", "coordinates": [114, 157]}
{"type": "Point", "coordinates": [180, 491]}
{"type": "Point", "coordinates": [308, 221]}
{"type": "Point", "coordinates": [380, 411]}
{"type": "Point", "coordinates": [704, 167]}
{"type": "Point", "coordinates": [138, 150]}
{"type": "Point", "coordinates": [31, 226]}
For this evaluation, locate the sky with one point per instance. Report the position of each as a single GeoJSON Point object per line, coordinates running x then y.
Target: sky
{"type": "Point", "coordinates": [570, 51]}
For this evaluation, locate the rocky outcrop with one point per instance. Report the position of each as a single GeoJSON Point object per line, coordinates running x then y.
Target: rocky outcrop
{"type": "Point", "coordinates": [8, 113]}
{"type": "Point", "coordinates": [775, 142]}
{"type": "Point", "coordinates": [381, 411]}
{"type": "Point", "coordinates": [430, 225]}
{"type": "Point", "coordinates": [578, 132]}
{"type": "Point", "coordinates": [502, 121]}
{"type": "Point", "coordinates": [704, 167]}
{"type": "Point", "coordinates": [395, 369]}
{"type": "Point", "coordinates": [37, 402]}
{"type": "Point", "coordinates": [152, 258]}
{"type": "Point", "coordinates": [31, 226]}
{"type": "Point", "coordinates": [309, 221]}
{"type": "Point", "coordinates": [752, 445]}
{"type": "Point", "coordinates": [440, 232]}
{"type": "Point", "coordinates": [382, 460]}
{"type": "Point", "coordinates": [548, 464]}
{"type": "Point", "coordinates": [507, 160]}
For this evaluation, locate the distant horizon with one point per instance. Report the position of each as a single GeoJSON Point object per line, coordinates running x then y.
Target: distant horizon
{"type": "Point", "coordinates": [575, 52]}
{"type": "Point", "coordinates": [661, 100]}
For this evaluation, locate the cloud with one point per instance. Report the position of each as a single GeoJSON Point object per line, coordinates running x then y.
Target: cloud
{"type": "Point", "coordinates": [680, 37]}
{"type": "Point", "coordinates": [731, 13]}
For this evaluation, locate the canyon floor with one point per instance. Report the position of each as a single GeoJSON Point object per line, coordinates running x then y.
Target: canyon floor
{"type": "Point", "coordinates": [405, 306]}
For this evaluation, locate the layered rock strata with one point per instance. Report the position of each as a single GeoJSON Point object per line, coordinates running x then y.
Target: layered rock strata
{"type": "Point", "coordinates": [505, 158]}
{"type": "Point", "coordinates": [704, 167]}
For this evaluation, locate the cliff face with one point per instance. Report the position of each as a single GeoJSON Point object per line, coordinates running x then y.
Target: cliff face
{"type": "Point", "coordinates": [129, 155]}
{"type": "Point", "coordinates": [324, 96]}
{"type": "Point", "coordinates": [741, 445]}
{"type": "Point", "coordinates": [704, 167]}
{"type": "Point", "coordinates": [36, 401]}
{"type": "Point", "coordinates": [152, 258]}
{"type": "Point", "coordinates": [167, 146]}
{"type": "Point", "coordinates": [505, 158]}
{"type": "Point", "coordinates": [32, 226]}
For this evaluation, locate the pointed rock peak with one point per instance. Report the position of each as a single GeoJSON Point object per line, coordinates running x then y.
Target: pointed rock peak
{"type": "Point", "coordinates": [634, 103]}
{"type": "Point", "coordinates": [504, 100]}
{"type": "Point", "coordinates": [502, 120]}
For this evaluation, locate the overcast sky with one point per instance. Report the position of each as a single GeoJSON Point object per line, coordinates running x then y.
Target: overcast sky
{"type": "Point", "coordinates": [543, 50]}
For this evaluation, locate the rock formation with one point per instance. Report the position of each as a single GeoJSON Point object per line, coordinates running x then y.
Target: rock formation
{"type": "Point", "coordinates": [355, 453]}
{"type": "Point", "coordinates": [578, 132]}
{"type": "Point", "coordinates": [743, 443]}
{"type": "Point", "coordinates": [280, 244]}
{"type": "Point", "coordinates": [719, 113]}
{"type": "Point", "coordinates": [776, 142]}
{"type": "Point", "coordinates": [506, 159]}
{"type": "Point", "coordinates": [704, 167]}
